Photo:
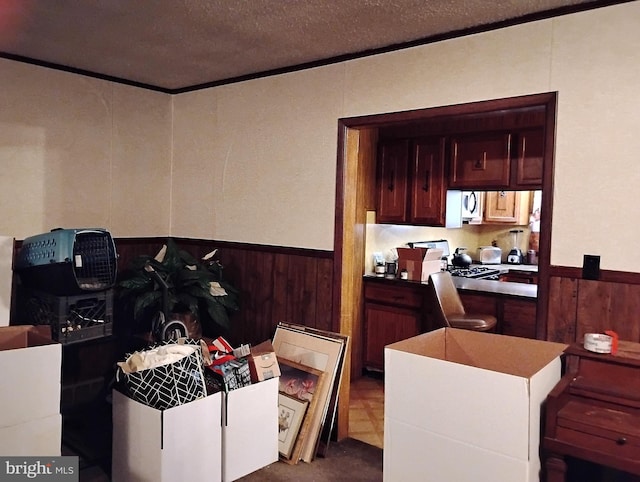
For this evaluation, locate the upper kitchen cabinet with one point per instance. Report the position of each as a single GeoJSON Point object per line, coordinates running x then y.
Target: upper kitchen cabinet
{"type": "Point", "coordinates": [506, 207]}
{"type": "Point", "coordinates": [480, 160]}
{"type": "Point", "coordinates": [392, 190]}
{"type": "Point", "coordinates": [428, 187]}
{"type": "Point", "coordinates": [498, 160]}
{"type": "Point", "coordinates": [411, 181]}
{"type": "Point", "coordinates": [529, 158]}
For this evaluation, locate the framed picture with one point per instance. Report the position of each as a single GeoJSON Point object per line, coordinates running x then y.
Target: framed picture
{"type": "Point", "coordinates": [304, 384]}
{"type": "Point", "coordinates": [322, 444]}
{"type": "Point", "coordinates": [318, 352]}
{"type": "Point", "coordinates": [291, 412]}
{"type": "Point", "coordinates": [298, 381]}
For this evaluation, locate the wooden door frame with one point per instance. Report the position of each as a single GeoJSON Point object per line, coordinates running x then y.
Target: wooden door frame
{"type": "Point", "coordinates": [350, 222]}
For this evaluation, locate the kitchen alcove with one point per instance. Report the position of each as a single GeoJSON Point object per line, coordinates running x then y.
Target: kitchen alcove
{"type": "Point", "coordinates": [355, 195]}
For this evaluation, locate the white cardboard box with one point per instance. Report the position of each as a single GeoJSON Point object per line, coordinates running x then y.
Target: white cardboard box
{"type": "Point", "coordinates": [466, 406]}
{"type": "Point", "coordinates": [250, 429]}
{"type": "Point", "coordinates": [31, 365]}
{"type": "Point", "coordinates": [41, 437]}
{"type": "Point", "coordinates": [180, 443]}
{"type": "Point", "coordinates": [6, 277]}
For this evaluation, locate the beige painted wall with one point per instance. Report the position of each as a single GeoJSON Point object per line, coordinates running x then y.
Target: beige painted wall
{"type": "Point", "coordinates": [266, 150]}
{"type": "Point", "coordinates": [277, 151]}
{"type": "Point", "coordinates": [256, 161]}
{"type": "Point", "coordinates": [81, 152]}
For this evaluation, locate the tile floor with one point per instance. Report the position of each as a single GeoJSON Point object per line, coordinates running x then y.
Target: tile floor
{"type": "Point", "coordinates": [366, 410]}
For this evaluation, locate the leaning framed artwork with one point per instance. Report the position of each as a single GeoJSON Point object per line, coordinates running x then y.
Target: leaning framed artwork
{"type": "Point", "coordinates": [298, 381]}
{"type": "Point", "coordinates": [304, 384]}
{"type": "Point", "coordinates": [316, 352]}
{"type": "Point", "coordinates": [326, 429]}
{"type": "Point", "coordinates": [291, 412]}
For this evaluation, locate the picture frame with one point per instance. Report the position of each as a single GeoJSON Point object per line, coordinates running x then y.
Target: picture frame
{"type": "Point", "coordinates": [291, 413]}
{"type": "Point", "coordinates": [329, 420]}
{"type": "Point", "coordinates": [303, 384]}
{"type": "Point", "coordinates": [297, 380]}
{"type": "Point", "coordinates": [293, 343]}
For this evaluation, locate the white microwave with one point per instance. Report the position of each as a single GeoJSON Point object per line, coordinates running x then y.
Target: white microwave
{"type": "Point", "coordinates": [471, 205]}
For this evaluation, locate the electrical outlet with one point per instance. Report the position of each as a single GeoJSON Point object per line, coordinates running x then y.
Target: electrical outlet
{"type": "Point", "coordinates": [591, 267]}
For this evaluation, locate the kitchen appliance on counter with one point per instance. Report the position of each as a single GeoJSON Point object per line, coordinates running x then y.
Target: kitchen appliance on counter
{"type": "Point", "coordinates": [515, 255]}
{"type": "Point", "coordinates": [489, 255]}
{"type": "Point", "coordinates": [461, 259]}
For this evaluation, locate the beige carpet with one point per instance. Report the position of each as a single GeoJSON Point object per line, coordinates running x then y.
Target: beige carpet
{"type": "Point", "coordinates": [349, 460]}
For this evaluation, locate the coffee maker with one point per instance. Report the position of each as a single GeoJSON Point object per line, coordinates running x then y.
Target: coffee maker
{"type": "Point", "coordinates": [515, 256]}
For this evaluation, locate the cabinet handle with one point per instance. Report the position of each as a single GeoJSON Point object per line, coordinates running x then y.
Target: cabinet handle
{"type": "Point", "coordinates": [390, 186]}
{"type": "Point", "coordinates": [425, 188]}
{"type": "Point", "coordinates": [621, 441]}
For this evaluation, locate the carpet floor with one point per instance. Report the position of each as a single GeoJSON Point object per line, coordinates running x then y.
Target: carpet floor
{"type": "Point", "coordinates": [349, 460]}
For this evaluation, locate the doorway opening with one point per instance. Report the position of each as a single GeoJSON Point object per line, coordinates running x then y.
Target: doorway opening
{"type": "Point", "coordinates": [355, 195]}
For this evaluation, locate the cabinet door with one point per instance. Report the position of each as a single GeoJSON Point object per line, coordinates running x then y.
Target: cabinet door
{"type": "Point", "coordinates": [530, 156]}
{"type": "Point", "coordinates": [519, 318]}
{"type": "Point", "coordinates": [392, 181]}
{"type": "Point", "coordinates": [428, 190]}
{"type": "Point", "coordinates": [477, 303]}
{"type": "Point", "coordinates": [384, 325]}
{"type": "Point", "coordinates": [480, 160]}
{"type": "Point", "coordinates": [506, 207]}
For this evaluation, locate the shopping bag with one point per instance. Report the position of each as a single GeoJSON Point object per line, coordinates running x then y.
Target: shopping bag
{"type": "Point", "coordinates": [165, 375]}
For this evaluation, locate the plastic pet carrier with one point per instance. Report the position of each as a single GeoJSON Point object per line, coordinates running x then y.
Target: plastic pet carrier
{"type": "Point", "coordinates": [72, 318]}
{"type": "Point", "coordinates": [68, 261]}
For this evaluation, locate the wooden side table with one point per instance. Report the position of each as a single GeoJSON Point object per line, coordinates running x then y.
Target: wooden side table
{"type": "Point", "coordinates": [594, 412]}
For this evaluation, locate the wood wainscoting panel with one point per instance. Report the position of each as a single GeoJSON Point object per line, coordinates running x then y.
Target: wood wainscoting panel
{"type": "Point", "coordinates": [608, 306]}
{"type": "Point", "coordinates": [275, 283]}
{"type": "Point", "coordinates": [561, 319]}
{"type": "Point", "coordinates": [578, 306]}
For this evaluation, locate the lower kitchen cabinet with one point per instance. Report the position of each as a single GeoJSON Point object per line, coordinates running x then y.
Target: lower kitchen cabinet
{"type": "Point", "coordinates": [392, 313]}
{"type": "Point", "coordinates": [396, 310]}
{"type": "Point", "coordinates": [519, 318]}
{"type": "Point", "coordinates": [386, 325]}
{"type": "Point", "coordinates": [516, 316]}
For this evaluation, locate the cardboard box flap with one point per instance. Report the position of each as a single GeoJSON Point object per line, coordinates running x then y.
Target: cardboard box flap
{"type": "Point", "coordinates": [263, 362]}
{"type": "Point", "coordinates": [419, 254]}
{"type": "Point", "coordinates": [495, 353]}
{"type": "Point", "coordinates": [23, 336]}
{"type": "Point", "coordinates": [433, 254]}
{"type": "Point", "coordinates": [263, 355]}
{"type": "Point", "coordinates": [262, 348]}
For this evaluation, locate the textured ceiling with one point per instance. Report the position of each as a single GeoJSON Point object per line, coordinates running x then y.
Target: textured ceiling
{"type": "Point", "coordinates": [175, 45]}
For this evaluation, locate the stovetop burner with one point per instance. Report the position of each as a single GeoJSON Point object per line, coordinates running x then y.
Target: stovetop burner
{"type": "Point", "coordinates": [476, 272]}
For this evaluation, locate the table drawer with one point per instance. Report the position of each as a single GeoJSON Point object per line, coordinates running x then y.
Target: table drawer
{"type": "Point", "coordinates": [602, 429]}
{"type": "Point", "coordinates": [410, 296]}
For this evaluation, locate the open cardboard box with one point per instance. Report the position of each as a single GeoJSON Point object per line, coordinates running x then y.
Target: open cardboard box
{"type": "Point", "coordinates": [466, 406]}
{"type": "Point", "coordinates": [419, 262]}
{"type": "Point", "coordinates": [180, 443]}
{"type": "Point", "coordinates": [31, 365]}
{"type": "Point", "coordinates": [30, 420]}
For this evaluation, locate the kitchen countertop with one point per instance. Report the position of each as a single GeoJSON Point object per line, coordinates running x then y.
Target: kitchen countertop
{"type": "Point", "coordinates": [502, 288]}
{"type": "Point", "coordinates": [533, 268]}
{"type": "Point", "coordinates": [508, 288]}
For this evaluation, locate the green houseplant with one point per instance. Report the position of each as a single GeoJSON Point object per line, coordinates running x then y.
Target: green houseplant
{"type": "Point", "coordinates": [191, 286]}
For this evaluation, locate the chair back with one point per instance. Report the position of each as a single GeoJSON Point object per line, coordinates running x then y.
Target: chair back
{"type": "Point", "coordinates": [446, 296]}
